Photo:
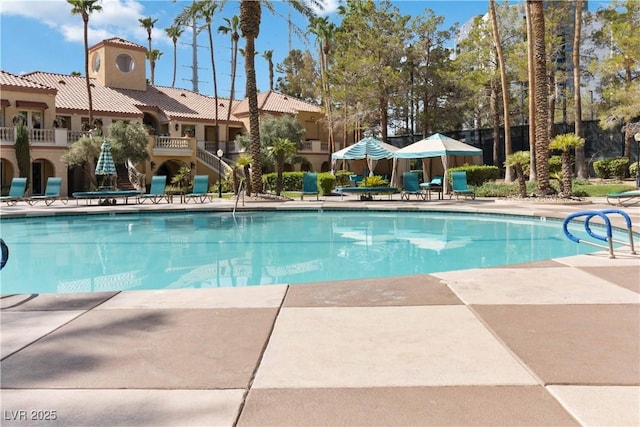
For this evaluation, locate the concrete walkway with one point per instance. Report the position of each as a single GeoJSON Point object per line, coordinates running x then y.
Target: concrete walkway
{"type": "Point", "coordinates": [552, 343]}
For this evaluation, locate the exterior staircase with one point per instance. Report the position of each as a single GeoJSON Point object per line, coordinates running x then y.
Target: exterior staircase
{"type": "Point", "coordinates": [122, 181]}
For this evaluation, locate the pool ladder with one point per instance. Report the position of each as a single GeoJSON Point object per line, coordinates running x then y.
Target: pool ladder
{"type": "Point", "coordinates": [608, 238]}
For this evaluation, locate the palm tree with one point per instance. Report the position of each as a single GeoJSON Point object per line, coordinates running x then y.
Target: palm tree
{"type": "Point", "coordinates": [250, 14]}
{"type": "Point", "coordinates": [565, 143]}
{"type": "Point", "coordinates": [147, 24]}
{"type": "Point", "coordinates": [519, 160]}
{"type": "Point", "coordinates": [324, 32]}
{"type": "Point", "coordinates": [504, 83]}
{"type": "Point", "coordinates": [85, 8]}
{"type": "Point", "coordinates": [174, 32]}
{"type": "Point", "coordinates": [532, 99]}
{"type": "Point", "coordinates": [207, 9]}
{"type": "Point", "coordinates": [581, 167]}
{"type": "Point", "coordinates": [153, 56]}
{"type": "Point", "coordinates": [268, 55]}
{"type": "Point", "coordinates": [232, 28]}
{"type": "Point", "coordinates": [281, 149]}
{"type": "Point", "coordinates": [541, 93]}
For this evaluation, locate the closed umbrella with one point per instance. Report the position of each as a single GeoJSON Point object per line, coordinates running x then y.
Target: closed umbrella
{"type": "Point", "coordinates": [105, 165]}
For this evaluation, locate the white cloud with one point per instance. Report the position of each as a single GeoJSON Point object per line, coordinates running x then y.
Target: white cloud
{"type": "Point", "coordinates": [330, 6]}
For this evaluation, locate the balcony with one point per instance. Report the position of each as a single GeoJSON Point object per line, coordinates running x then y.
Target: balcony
{"type": "Point", "coordinates": [43, 137]}
{"type": "Point", "coordinates": [172, 146]}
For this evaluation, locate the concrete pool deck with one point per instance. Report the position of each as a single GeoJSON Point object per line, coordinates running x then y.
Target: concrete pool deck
{"type": "Point", "coordinates": [555, 342]}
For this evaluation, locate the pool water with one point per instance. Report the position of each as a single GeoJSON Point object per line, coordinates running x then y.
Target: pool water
{"type": "Point", "coordinates": [94, 253]}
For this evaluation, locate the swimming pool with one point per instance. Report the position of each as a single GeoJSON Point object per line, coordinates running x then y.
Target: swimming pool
{"type": "Point", "coordinates": [93, 253]}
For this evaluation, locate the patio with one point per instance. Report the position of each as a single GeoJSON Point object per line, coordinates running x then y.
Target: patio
{"type": "Point", "coordinates": [555, 342]}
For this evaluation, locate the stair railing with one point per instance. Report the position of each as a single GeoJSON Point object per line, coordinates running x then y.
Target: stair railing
{"type": "Point", "coordinates": [137, 179]}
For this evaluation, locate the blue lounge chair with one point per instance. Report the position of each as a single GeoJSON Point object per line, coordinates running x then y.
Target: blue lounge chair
{"type": "Point", "coordinates": [459, 185]}
{"type": "Point", "coordinates": [157, 192]}
{"type": "Point", "coordinates": [200, 189]}
{"type": "Point", "coordinates": [310, 185]}
{"type": "Point", "coordinates": [624, 198]}
{"type": "Point", "coordinates": [51, 192]}
{"type": "Point", "coordinates": [411, 186]}
{"type": "Point", "coordinates": [16, 191]}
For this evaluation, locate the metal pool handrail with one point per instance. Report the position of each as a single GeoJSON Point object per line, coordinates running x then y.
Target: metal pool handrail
{"type": "Point", "coordinates": [608, 238]}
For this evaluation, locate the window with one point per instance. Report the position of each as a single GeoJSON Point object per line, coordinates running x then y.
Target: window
{"type": "Point", "coordinates": [125, 63]}
{"type": "Point", "coordinates": [96, 62]}
{"type": "Point", "coordinates": [34, 118]}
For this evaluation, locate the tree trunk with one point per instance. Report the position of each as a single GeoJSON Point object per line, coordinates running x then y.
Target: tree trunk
{"type": "Point", "coordinates": [85, 19]}
{"type": "Point", "coordinates": [505, 88]}
{"type": "Point", "coordinates": [541, 94]}
{"type": "Point", "coordinates": [581, 166]}
{"type": "Point", "coordinates": [532, 99]}
{"type": "Point", "coordinates": [250, 11]}
{"type": "Point", "coordinates": [495, 120]}
{"type": "Point", "coordinates": [522, 185]}
{"type": "Point", "coordinates": [566, 174]}
{"type": "Point", "coordinates": [215, 81]}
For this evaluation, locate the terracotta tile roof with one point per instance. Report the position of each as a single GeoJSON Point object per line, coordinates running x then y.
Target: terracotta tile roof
{"type": "Point", "coordinates": [275, 102]}
{"type": "Point", "coordinates": [180, 104]}
{"type": "Point", "coordinates": [117, 41]}
{"type": "Point", "coordinates": [72, 95]}
{"type": "Point", "coordinates": [22, 83]}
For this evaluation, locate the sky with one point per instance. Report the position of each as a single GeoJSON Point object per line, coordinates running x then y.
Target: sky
{"type": "Point", "coordinates": [42, 35]}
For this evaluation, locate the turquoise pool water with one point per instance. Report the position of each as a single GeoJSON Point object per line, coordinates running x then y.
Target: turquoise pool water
{"type": "Point", "coordinates": [93, 253]}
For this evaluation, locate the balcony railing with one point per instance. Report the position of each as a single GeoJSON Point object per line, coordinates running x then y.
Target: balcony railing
{"type": "Point", "coordinates": [167, 142]}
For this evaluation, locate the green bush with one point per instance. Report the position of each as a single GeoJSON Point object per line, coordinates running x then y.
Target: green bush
{"type": "Point", "coordinates": [327, 182]}
{"type": "Point", "coordinates": [342, 178]}
{"type": "Point", "coordinates": [633, 169]}
{"type": "Point", "coordinates": [291, 181]}
{"type": "Point", "coordinates": [478, 174]}
{"type": "Point", "coordinates": [616, 167]}
{"type": "Point", "coordinates": [373, 181]}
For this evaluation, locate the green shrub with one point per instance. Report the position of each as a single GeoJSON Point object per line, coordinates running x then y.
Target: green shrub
{"type": "Point", "coordinates": [342, 178]}
{"type": "Point", "coordinates": [327, 182]}
{"type": "Point", "coordinates": [616, 167]}
{"type": "Point", "coordinates": [291, 181]}
{"type": "Point", "coordinates": [619, 167]}
{"type": "Point", "coordinates": [373, 181]}
{"type": "Point", "coordinates": [478, 174]}
{"type": "Point", "coordinates": [633, 169]}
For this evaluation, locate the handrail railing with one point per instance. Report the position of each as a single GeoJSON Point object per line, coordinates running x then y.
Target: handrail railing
{"type": "Point", "coordinates": [608, 238]}
{"type": "Point", "coordinates": [137, 179]}
{"type": "Point", "coordinates": [212, 161]}
{"type": "Point", "coordinates": [240, 192]}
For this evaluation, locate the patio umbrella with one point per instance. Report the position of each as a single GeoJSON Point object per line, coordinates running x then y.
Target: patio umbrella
{"type": "Point", "coordinates": [369, 148]}
{"type": "Point", "coordinates": [105, 165]}
{"type": "Point", "coordinates": [437, 145]}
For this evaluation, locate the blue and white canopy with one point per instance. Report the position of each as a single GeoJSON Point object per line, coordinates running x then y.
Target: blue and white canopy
{"type": "Point", "coordinates": [367, 148]}
{"type": "Point", "coordinates": [105, 165]}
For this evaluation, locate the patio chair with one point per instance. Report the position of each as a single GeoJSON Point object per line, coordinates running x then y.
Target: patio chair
{"type": "Point", "coordinates": [411, 186]}
{"type": "Point", "coordinates": [625, 198]}
{"type": "Point", "coordinates": [310, 185]}
{"type": "Point", "coordinates": [200, 189]}
{"type": "Point", "coordinates": [459, 185]}
{"type": "Point", "coordinates": [51, 192]}
{"type": "Point", "coordinates": [16, 191]}
{"type": "Point", "coordinates": [157, 192]}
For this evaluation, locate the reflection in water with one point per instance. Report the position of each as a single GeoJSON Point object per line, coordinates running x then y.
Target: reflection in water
{"type": "Point", "coordinates": [155, 251]}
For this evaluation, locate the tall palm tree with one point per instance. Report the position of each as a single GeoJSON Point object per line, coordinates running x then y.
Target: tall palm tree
{"type": "Point", "coordinates": [541, 93]}
{"type": "Point", "coordinates": [207, 9]}
{"type": "Point", "coordinates": [250, 15]}
{"type": "Point", "coordinates": [581, 167]}
{"type": "Point", "coordinates": [268, 55]}
{"type": "Point", "coordinates": [532, 99]}
{"type": "Point", "coordinates": [324, 32]}
{"type": "Point", "coordinates": [232, 28]}
{"type": "Point", "coordinates": [147, 24]}
{"type": "Point", "coordinates": [174, 32]}
{"type": "Point", "coordinates": [85, 8]}
{"type": "Point", "coordinates": [505, 88]}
